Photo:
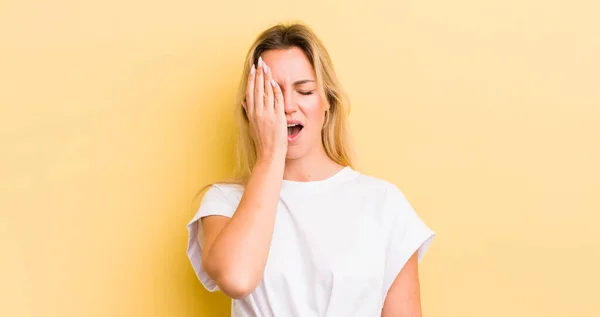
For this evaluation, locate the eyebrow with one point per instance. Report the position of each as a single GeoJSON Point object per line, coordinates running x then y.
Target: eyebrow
{"type": "Point", "coordinates": [300, 82]}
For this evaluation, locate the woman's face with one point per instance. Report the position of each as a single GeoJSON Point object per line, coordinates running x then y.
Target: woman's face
{"type": "Point", "coordinates": [292, 70]}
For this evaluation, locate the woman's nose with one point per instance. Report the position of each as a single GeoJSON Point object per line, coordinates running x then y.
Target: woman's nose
{"type": "Point", "coordinates": [289, 104]}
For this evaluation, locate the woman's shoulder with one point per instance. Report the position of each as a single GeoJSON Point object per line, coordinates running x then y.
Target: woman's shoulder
{"type": "Point", "coordinates": [387, 192]}
{"type": "Point", "coordinates": [224, 191]}
{"type": "Point", "coordinates": [227, 187]}
{"type": "Point", "coordinates": [387, 200]}
{"type": "Point", "coordinates": [377, 184]}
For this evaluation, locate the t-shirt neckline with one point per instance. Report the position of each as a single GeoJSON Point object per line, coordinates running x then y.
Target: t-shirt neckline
{"type": "Point", "coordinates": [344, 174]}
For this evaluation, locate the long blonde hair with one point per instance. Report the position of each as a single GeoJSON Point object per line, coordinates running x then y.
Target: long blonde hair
{"type": "Point", "coordinates": [335, 134]}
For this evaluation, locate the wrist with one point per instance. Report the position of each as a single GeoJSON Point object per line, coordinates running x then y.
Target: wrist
{"type": "Point", "coordinates": [273, 165]}
{"type": "Point", "coordinates": [270, 157]}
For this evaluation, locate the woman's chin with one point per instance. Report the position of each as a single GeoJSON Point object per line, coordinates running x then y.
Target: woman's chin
{"type": "Point", "coordinates": [294, 152]}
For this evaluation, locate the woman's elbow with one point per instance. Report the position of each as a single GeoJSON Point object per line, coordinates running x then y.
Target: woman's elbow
{"type": "Point", "coordinates": [236, 288]}
{"type": "Point", "coordinates": [233, 282]}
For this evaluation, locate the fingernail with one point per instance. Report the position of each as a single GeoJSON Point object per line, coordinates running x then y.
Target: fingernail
{"type": "Point", "coordinates": [260, 62]}
{"type": "Point", "coordinates": [265, 68]}
{"type": "Point", "coordinates": [273, 83]}
{"type": "Point", "coordinates": [253, 69]}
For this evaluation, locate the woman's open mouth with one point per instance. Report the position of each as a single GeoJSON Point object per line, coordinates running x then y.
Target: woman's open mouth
{"type": "Point", "coordinates": [294, 131]}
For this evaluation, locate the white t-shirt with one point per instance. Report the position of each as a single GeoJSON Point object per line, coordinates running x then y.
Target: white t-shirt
{"type": "Point", "coordinates": [338, 244]}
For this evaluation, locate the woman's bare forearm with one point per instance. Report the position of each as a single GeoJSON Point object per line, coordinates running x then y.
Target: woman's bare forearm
{"type": "Point", "coordinates": [237, 257]}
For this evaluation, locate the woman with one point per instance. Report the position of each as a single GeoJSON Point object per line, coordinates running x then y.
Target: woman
{"type": "Point", "coordinates": [302, 233]}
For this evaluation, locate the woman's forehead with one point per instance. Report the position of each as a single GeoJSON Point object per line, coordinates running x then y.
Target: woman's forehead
{"type": "Point", "coordinates": [290, 64]}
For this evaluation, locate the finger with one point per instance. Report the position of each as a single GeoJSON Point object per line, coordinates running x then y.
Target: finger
{"type": "Point", "coordinates": [250, 90]}
{"type": "Point", "coordinates": [279, 105]}
{"type": "Point", "coordinates": [259, 87]}
{"type": "Point", "coordinates": [269, 99]}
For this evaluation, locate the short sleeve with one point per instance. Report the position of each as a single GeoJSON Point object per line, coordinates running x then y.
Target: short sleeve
{"type": "Point", "coordinates": [408, 234]}
{"type": "Point", "coordinates": [218, 200]}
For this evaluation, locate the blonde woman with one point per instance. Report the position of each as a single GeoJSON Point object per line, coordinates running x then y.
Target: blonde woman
{"type": "Point", "coordinates": [300, 232]}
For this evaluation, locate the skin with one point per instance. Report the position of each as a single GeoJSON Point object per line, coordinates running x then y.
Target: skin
{"type": "Point", "coordinates": [235, 249]}
{"type": "Point", "coordinates": [306, 159]}
{"type": "Point", "coordinates": [403, 298]}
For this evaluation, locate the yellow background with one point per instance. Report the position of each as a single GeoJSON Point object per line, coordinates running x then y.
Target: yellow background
{"type": "Point", "coordinates": [114, 113]}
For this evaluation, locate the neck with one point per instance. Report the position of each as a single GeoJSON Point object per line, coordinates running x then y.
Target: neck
{"type": "Point", "coordinates": [314, 166]}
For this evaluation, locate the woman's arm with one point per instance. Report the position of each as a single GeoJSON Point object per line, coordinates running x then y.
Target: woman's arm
{"type": "Point", "coordinates": [235, 249]}
{"type": "Point", "coordinates": [403, 298]}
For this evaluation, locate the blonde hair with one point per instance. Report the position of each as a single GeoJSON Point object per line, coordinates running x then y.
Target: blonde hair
{"type": "Point", "coordinates": [335, 134]}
